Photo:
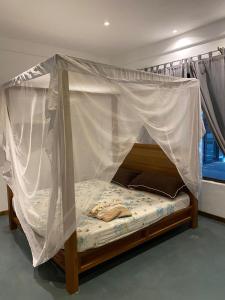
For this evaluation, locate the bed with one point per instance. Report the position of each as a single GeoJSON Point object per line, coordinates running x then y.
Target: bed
{"type": "Point", "coordinates": [68, 120]}
{"type": "Point", "coordinates": [95, 241]}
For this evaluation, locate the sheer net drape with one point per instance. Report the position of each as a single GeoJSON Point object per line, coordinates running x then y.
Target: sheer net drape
{"type": "Point", "coordinates": [68, 120]}
{"type": "Point", "coordinates": [211, 74]}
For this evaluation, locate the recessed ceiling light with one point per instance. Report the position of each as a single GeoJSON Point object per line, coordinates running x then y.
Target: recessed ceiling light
{"type": "Point", "coordinates": [174, 31]}
{"type": "Point", "coordinates": [106, 23]}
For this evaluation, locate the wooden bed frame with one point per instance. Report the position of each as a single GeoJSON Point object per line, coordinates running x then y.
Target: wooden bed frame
{"type": "Point", "coordinates": [143, 158]}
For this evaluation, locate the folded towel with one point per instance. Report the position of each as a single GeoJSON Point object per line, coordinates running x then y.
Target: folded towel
{"type": "Point", "coordinates": [108, 212]}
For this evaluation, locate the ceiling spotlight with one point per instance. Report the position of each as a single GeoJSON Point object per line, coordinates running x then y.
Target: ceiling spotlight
{"type": "Point", "coordinates": [174, 31]}
{"type": "Point", "coordinates": [106, 23]}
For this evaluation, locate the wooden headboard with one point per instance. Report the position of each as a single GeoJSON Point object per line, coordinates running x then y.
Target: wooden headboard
{"type": "Point", "coordinates": [144, 157]}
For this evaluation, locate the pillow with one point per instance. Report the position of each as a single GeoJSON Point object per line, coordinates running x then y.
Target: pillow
{"type": "Point", "coordinates": [158, 183]}
{"type": "Point", "coordinates": [124, 176]}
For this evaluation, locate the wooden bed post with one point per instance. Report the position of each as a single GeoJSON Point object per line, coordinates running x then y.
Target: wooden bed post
{"type": "Point", "coordinates": [71, 264]}
{"type": "Point", "coordinates": [11, 212]}
{"type": "Point", "coordinates": [68, 191]}
{"type": "Point", "coordinates": [194, 204]}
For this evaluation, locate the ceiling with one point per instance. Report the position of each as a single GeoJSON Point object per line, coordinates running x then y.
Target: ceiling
{"type": "Point", "coordinates": [78, 24]}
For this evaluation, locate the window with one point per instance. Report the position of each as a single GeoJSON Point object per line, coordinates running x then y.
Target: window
{"type": "Point", "coordinates": [213, 157]}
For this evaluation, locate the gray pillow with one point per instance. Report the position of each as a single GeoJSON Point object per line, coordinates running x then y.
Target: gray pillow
{"type": "Point", "coordinates": [124, 176]}
{"type": "Point", "coordinates": [158, 183]}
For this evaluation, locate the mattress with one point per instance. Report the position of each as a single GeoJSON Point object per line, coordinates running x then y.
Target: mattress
{"type": "Point", "coordinates": [146, 209]}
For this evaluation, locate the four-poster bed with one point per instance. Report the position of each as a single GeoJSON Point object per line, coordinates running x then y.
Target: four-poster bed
{"type": "Point", "coordinates": [69, 121]}
{"type": "Point", "coordinates": [143, 158]}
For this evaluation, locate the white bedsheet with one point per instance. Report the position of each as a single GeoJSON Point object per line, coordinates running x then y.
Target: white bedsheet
{"type": "Point", "coordinates": [146, 208]}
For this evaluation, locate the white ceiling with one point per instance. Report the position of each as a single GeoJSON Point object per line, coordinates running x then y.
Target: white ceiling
{"type": "Point", "coordinates": [78, 24]}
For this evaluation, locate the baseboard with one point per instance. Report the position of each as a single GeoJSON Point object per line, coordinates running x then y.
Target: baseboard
{"type": "Point", "coordinates": [217, 218]}
{"type": "Point", "coordinates": [4, 212]}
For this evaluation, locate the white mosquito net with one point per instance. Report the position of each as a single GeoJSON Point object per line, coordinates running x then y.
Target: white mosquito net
{"type": "Point", "coordinates": [68, 121]}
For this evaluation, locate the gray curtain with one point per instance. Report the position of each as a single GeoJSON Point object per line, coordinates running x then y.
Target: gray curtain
{"type": "Point", "coordinates": [180, 69]}
{"type": "Point", "coordinates": [211, 74]}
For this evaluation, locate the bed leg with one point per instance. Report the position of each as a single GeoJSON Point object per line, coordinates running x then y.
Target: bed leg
{"type": "Point", "coordinates": [12, 224]}
{"type": "Point", "coordinates": [194, 203]}
{"type": "Point", "coordinates": [71, 264]}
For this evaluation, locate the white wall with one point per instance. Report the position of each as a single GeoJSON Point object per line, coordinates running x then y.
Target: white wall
{"type": "Point", "coordinates": [195, 42]}
{"type": "Point", "coordinates": [17, 56]}
{"type": "Point", "coordinates": [202, 40]}
{"type": "Point", "coordinates": [212, 198]}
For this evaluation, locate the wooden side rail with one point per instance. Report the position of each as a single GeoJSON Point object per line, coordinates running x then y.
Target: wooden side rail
{"type": "Point", "coordinates": [93, 257]}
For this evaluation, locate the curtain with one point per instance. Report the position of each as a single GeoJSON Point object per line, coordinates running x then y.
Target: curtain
{"type": "Point", "coordinates": [211, 74]}
{"type": "Point", "coordinates": [180, 69]}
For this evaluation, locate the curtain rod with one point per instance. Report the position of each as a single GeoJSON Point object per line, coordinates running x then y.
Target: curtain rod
{"type": "Point", "coordinates": [221, 50]}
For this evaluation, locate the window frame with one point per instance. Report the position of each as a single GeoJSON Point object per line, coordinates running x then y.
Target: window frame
{"type": "Point", "coordinates": [204, 148]}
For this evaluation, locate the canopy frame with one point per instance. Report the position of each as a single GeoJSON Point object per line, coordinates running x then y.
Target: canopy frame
{"type": "Point", "coordinates": [72, 261]}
